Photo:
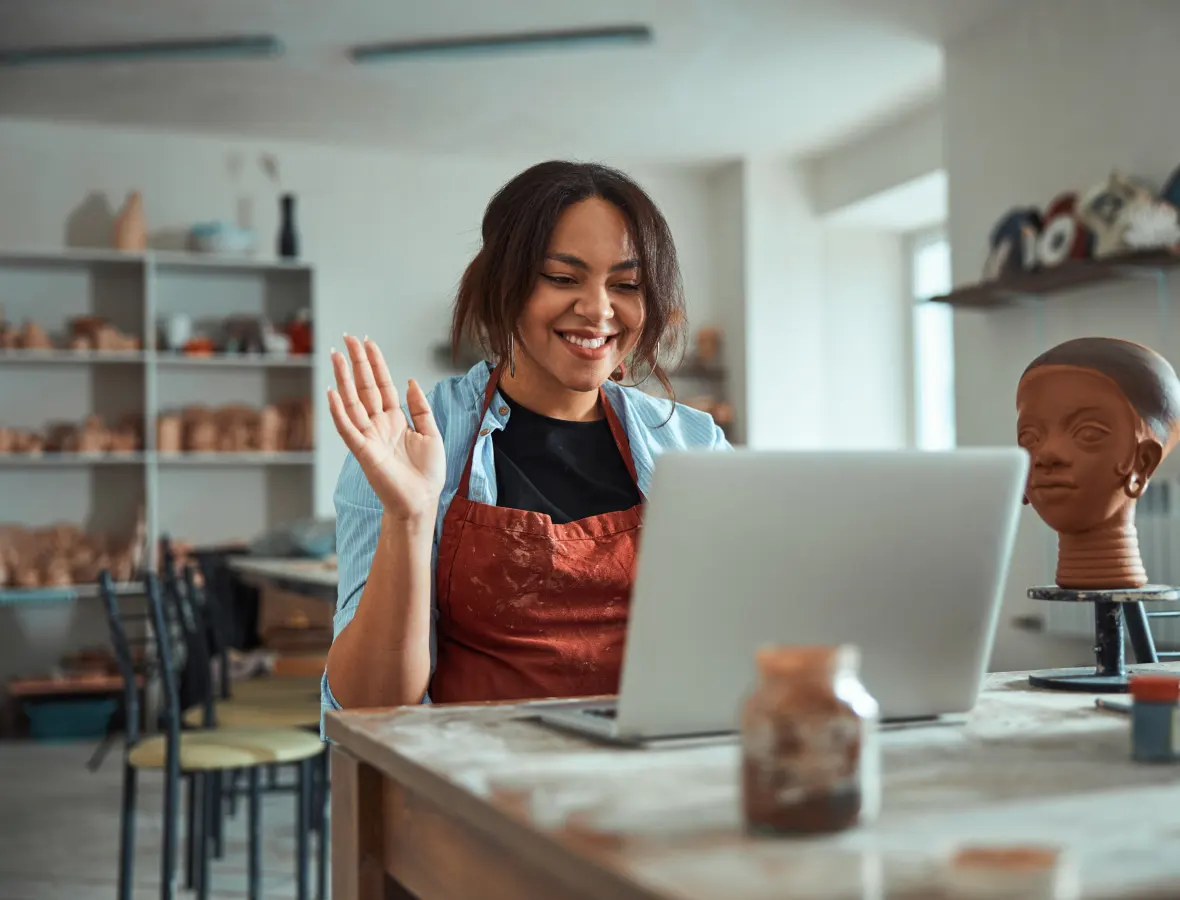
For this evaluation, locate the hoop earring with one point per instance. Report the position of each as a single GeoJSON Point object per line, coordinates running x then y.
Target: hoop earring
{"type": "Point", "coordinates": [1133, 487]}
{"type": "Point", "coordinates": [655, 362]}
{"type": "Point", "coordinates": [511, 357]}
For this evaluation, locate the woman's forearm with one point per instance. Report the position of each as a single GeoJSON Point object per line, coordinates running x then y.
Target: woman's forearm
{"type": "Point", "coordinates": [382, 657]}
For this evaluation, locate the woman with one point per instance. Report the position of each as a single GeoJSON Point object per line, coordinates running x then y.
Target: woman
{"type": "Point", "coordinates": [496, 522]}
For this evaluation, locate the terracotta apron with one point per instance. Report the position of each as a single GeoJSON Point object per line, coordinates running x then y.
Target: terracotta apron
{"type": "Point", "coordinates": [529, 608]}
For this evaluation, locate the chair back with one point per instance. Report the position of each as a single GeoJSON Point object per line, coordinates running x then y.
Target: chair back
{"type": "Point", "coordinates": [124, 657]}
{"type": "Point", "coordinates": [218, 592]}
{"type": "Point", "coordinates": [163, 638]}
{"type": "Point", "coordinates": [181, 595]}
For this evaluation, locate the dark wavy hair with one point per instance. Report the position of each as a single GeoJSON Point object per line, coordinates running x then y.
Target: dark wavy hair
{"type": "Point", "coordinates": [517, 226]}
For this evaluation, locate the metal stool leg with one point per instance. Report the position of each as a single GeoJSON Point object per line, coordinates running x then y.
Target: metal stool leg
{"type": "Point", "coordinates": [190, 832]}
{"type": "Point", "coordinates": [254, 826]}
{"type": "Point", "coordinates": [127, 833]}
{"type": "Point", "coordinates": [1139, 631]}
{"type": "Point", "coordinates": [321, 872]}
{"type": "Point", "coordinates": [302, 826]}
{"type": "Point", "coordinates": [204, 814]}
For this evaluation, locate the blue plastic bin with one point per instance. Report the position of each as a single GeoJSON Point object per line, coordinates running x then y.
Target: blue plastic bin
{"type": "Point", "coordinates": [52, 721]}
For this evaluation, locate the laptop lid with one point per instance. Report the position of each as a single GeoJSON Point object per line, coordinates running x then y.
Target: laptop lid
{"type": "Point", "coordinates": [903, 553]}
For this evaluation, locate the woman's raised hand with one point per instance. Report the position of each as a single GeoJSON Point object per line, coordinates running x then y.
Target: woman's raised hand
{"type": "Point", "coordinates": [405, 466]}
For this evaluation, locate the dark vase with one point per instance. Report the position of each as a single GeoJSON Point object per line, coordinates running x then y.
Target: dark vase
{"type": "Point", "coordinates": [288, 233]}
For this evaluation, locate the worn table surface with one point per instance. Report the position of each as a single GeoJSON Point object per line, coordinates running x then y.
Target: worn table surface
{"type": "Point", "coordinates": [313, 577]}
{"type": "Point", "coordinates": [1025, 766]}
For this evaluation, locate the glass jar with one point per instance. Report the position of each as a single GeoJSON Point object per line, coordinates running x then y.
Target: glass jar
{"type": "Point", "coordinates": [810, 750]}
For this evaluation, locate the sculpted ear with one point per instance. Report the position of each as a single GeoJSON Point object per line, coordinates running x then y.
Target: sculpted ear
{"type": "Point", "coordinates": [1149, 453]}
{"type": "Point", "coordinates": [1148, 456]}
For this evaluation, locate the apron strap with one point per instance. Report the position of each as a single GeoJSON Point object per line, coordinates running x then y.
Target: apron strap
{"type": "Point", "coordinates": [620, 435]}
{"type": "Point", "coordinates": [616, 429]}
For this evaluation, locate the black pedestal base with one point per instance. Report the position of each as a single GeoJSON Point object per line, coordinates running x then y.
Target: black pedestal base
{"type": "Point", "coordinates": [1083, 680]}
{"type": "Point", "coordinates": [1117, 615]}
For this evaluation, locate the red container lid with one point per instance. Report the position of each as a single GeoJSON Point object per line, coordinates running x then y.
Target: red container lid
{"type": "Point", "coordinates": [1156, 688]}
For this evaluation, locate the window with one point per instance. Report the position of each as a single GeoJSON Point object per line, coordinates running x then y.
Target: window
{"type": "Point", "coordinates": [934, 343]}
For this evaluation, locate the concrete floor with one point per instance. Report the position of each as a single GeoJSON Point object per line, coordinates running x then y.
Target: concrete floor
{"type": "Point", "coordinates": [59, 831]}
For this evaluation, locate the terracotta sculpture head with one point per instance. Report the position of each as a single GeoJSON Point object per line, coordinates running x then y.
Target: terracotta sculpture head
{"type": "Point", "coordinates": [1097, 416]}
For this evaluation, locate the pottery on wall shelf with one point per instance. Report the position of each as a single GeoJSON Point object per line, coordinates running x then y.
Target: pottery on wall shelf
{"type": "Point", "coordinates": [288, 243]}
{"type": "Point", "coordinates": [130, 228]}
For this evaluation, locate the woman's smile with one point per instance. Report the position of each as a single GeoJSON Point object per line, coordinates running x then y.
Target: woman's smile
{"type": "Point", "coordinates": [588, 345]}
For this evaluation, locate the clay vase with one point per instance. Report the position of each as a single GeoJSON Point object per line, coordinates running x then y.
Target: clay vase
{"type": "Point", "coordinates": [1097, 417]}
{"type": "Point", "coordinates": [130, 228]}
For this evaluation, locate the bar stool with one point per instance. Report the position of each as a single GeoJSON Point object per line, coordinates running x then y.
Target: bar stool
{"type": "Point", "coordinates": [310, 787]}
{"type": "Point", "coordinates": [194, 756]}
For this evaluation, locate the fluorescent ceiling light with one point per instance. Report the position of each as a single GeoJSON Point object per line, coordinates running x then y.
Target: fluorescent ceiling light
{"type": "Point", "coordinates": [503, 43]}
{"type": "Point", "coordinates": [248, 46]}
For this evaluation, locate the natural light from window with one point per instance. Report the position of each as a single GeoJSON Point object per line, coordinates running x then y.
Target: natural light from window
{"type": "Point", "coordinates": [934, 345]}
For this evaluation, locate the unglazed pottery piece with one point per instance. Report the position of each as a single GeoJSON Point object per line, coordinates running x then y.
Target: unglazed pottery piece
{"type": "Point", "coordinates": [1097, 416]}
{"type": "Point", "coordinates": [130, 228]}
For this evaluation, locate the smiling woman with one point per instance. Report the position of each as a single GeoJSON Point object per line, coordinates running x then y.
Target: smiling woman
{"type": "Point", "coordinates": [487, 534]}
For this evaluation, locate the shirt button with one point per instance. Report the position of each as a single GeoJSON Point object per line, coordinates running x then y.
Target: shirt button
{"type": "Point", "coordinates": [484, 433]}
{"type": "Point", "coordinates": [503, 410]}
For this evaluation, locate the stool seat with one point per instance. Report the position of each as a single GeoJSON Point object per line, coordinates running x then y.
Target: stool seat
{"type": "Point", "coordinates": [243, 714]}
{"type": "Point", "coordinates": [277, 686]}
{"type": "Point", "coordinates": [225, 749]}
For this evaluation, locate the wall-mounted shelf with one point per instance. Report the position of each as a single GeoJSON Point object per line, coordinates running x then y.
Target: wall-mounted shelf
{"type": "Point", "coordinates": [1069, 275]}
{"type": "Point", "coordinates": [197, 497]}
{"type": "Point", "coordinates": [17, 596]}
{"type": "Point", "coordinates": [71, 460]}
{"type": "Point", "coordinates": [140, 357]}
{"type": "Point", "coordinates": [235, 459]}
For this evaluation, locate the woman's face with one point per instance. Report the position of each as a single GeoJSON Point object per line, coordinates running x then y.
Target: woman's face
{"type": "Point", "coordinates": [586, 311]}
{"type": "Point", "coordinates": [1083, 438]}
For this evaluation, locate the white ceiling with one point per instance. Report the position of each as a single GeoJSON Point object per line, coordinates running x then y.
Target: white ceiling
{"type": "Point", "coordinates": [723, 77]}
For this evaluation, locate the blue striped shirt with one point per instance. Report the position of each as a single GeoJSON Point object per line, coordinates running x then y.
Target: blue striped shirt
{"type": "Point", "coordinates": [456, 403]}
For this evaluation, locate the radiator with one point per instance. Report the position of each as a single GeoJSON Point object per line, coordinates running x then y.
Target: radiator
{"type": "Point", "coordinates": [1158, 521]}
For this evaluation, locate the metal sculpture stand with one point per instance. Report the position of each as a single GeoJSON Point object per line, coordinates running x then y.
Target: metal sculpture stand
{"type": "Point", "coordinates": [1117, 615]}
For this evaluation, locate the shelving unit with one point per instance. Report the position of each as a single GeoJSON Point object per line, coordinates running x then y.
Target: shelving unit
{"type": "Point", "coordinates": [200, 497]}
{"type": "Point", "coordinates": [1054, 299]}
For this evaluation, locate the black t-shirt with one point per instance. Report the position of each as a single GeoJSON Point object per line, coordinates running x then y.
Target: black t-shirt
{"type": "Point", "coordinates": [567, 470]}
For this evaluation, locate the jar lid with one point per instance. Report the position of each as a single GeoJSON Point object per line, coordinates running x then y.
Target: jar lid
{"type": "Point", "coordinates": [1029, 872]}
{"type": "Point", "coordinates": [799, 659]}
{"type": "Point", "coordinates": [1156, 688]}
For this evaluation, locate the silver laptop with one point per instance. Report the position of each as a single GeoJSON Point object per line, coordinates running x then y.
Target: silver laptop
{"type": "Point", "coordinates": [903, 553]}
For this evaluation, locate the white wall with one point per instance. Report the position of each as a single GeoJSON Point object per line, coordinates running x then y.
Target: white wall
{"type": "Point", "coordinates": [726, 206]}
{"type": "Point", "coordinates": [906, 148]}
{"type": "Point", "coordinates": [784, 259]}
{"type": "Point", "coordinates": [866, 340]}
{"type": "Point", "coordinates": [827, 322]}
{"type": "Point", "coordinates": [1048, 99]}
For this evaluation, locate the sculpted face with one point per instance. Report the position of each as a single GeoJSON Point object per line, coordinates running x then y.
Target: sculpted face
{"type": "Point", "coordinates": [1091, 454]}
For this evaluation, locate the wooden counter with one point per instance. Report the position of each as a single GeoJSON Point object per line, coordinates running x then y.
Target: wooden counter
{"type": "Point", "coordinates": [480, 801]}
{"type": "Point", "coordinates": [316, 578]}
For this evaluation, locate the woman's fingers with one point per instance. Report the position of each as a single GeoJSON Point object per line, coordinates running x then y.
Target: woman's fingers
{"type": "Point", "coordinates": [362, 374]}
{"type": "Point", "coordinates": [385, 385]}
{"type": "Point", "coordinates": [420, 410]}
{"type": "Point", "coordinates": [353, 439]}
{"type": "Point", "coordinates": [350, 401]}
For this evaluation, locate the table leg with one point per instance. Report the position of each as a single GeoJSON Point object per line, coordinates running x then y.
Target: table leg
{"type": "Point", "coordinates": [357, 830]}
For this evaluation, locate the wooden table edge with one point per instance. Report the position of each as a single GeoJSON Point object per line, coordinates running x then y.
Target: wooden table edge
{"type": "Point", "coordinates": [581, 871]}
